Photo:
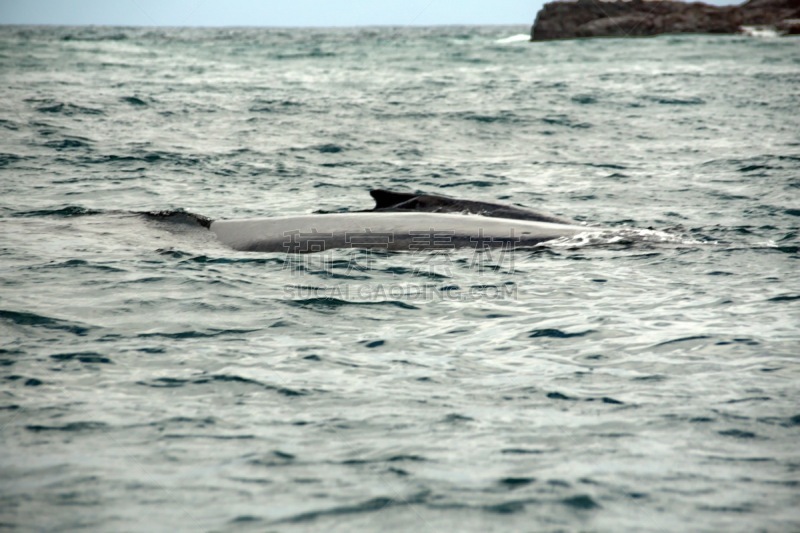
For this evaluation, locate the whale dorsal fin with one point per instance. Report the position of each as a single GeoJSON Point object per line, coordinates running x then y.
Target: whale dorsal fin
{"type": "Point", "coordinates": [432, 203]}
{"type": "Point", "coordinates": [388, 199]}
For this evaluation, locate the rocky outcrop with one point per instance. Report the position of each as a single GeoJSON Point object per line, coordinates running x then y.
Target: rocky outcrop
{"type": "Point", "coordinates": [569, 19]}
{"type": "Point", "coordinates": [789, 26]}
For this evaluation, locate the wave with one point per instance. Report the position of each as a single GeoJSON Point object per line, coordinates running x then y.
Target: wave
{"type": "Point", "coordinates": [63, 108]}
{"type": "Point", "coordinates": [517, 38]}
{"type": "Point", "coordinates": [21, 318]}
{"type": "Point", "coordinates": [762, 32]}
{"type": "Point", "coordinates": [169, 382]}
{"type": "Point", "coordinates": [331, 303]}
{"type": "Point", "coordinates": [66, 212]}
{"type": "Point", "coordinates": [622, 236]}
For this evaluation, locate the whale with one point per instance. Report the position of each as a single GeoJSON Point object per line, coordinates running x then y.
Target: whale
{"type": "Point", "coordinates": [398, 221]}
{"type": "Point", "coordinates": [388, 231]}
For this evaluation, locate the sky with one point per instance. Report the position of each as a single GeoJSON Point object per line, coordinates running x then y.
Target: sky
{"type": "Point", "coordinates": [271, 12]}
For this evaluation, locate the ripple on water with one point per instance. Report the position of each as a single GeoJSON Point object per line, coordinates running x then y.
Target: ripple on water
{"type": "Point", "coordinates": [25, 319]}
{"type": "Point", "coordinates": [221, 379]}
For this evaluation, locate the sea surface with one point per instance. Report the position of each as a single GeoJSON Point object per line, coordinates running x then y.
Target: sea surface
{"type": "Point", "coordinates": [155, 380]}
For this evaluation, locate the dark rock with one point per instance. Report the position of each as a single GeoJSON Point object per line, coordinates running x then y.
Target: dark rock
{"type": "Point", "coordinates": [789, 26]}
{"type": "Point", "coordinates": [569, 19]}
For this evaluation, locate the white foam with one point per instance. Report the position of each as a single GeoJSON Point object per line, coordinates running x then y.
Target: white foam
{"type": "Point", "coordinates": [518, 38]}
{"type": "Point", "coordinates": [766, 244]}
{"type": "Point", "coordinates": [621, 235]}
{"type": "Point", "coordinates": [764, 32]}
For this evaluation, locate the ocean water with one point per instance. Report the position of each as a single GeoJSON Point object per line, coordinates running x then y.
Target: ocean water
{"type": "Point", "coordinates": [155, 380]}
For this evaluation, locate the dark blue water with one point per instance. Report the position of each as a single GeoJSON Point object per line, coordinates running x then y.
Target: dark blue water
{"type": "Point", "coordinates": [154, 379]}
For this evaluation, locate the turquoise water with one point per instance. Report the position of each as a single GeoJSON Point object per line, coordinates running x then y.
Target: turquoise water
{"type": "Point", "coordinates": [155, 380]}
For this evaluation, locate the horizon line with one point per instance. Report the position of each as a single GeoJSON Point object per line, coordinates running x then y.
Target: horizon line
{"type": "Point", "coordinates": [244, 26]}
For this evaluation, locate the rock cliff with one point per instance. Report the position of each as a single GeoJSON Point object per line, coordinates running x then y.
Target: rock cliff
{"type": "Point", "coordinates": [569, 19]}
